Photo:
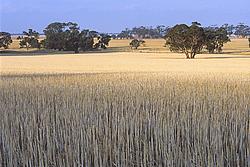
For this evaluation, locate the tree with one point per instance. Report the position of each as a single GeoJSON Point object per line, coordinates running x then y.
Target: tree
{"type": "Point", "coordinates": [249, 42]}
{"type": "Point", "coordinates": [103, 41]}
{"type": "Point", "coordinates": [187, 39]}
{"type": "Point", "coordinates": [67, 36]}
{"type": "Point", "coordinates": [55, 36]}
{"type": "Point", "coordinates": [242, 30]}
{"type": "Point", "coordinates": [29, 40]}
{"type": "Point", "coordinates": [5, 40]}
{"type": "Point", "coordinates": [64, 36]}
{"type": "Point", "coordinates": [135, 43]}
{"type": "Point", "coordinates": [72, 37]}
{"type": "Point", "coordinates": [215, 39]}
{"type": "Point", "coordinates": [87, 39]}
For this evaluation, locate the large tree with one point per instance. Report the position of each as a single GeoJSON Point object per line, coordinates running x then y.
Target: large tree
{"type": "Point", "coordinates": [187, 39]}
{"type": "Point", "coordinates": [63, 36]}
{"type": "Point", "coordinates": [72, 37]}
{"type": "Point", "coordinates": [29, 40]}
{"type": "Point", "coordinates": [67, 36]}
{"type": "Point", "coordinates": [87, 39]}
{"type": "Point", "coordinates": [5, 40]}
{"type": "Point", "coordinates": [215, 39]}
{"type": "Point", "coordinates": [55, 36]}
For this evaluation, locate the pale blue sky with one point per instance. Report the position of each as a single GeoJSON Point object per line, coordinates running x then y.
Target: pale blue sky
{"type": "Point", "coordinates": [115, 15]}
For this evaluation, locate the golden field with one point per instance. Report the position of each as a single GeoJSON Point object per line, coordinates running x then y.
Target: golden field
{"type": "Point", "coordinates": [126, 108]}
{"type": "Point", "coordinates": [153, 57]}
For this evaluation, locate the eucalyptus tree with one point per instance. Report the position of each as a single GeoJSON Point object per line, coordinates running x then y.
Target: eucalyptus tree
{"type": "Point", "coordinates": [5, 40]}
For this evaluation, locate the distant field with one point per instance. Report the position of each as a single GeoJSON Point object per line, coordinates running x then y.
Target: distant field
{"type": "Point", "coordinates": [153, 57]}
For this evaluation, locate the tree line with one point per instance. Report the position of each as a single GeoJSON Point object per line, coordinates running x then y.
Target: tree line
{"type": "Point", "coordinates": [143, 32]}
{"type": "Point", "coordinates": [190, 40]}
{"type": "Point", "coordinates": [60, 36]}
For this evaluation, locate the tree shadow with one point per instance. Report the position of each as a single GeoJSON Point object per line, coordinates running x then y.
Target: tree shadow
{"type": "Point", "coordinates": [31, 53]}
{"type": "Point", "coordinates": [227, 57]}
{"type": "Point", "coordinates": [44, 52]}
{"type": "Point", "coordinates": [236, 51]}
{"type": "Point", "coordinates": [203, 57]}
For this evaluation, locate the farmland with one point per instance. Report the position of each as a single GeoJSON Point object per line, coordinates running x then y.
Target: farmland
{"type": "Point", "coordinates": [121, 107]}
{"type": "Point", "coordinates": [153, 57]}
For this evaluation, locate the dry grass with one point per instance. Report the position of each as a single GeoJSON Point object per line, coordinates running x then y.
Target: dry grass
{"type": "Point", "coordinates": [125, 120]}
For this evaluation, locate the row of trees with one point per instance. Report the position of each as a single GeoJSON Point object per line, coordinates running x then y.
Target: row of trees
{"type": "Point", "coordinates": [60, 36]}
{"type": "Point", "coordinates": [143, 32]}
{"type": "Point", "coordinates": [190, 40]}
{"type": "Point", "coordinates": [240, 30]}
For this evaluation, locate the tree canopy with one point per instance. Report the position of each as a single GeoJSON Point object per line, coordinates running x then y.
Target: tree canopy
{"type": "Point", "coordinates": [103, 41]}
{"type": "Point", "coordinates": [5, 40]}
{"type": "Point", "coordinates": [29, 40]}
{"type": "Point", "coordinates": [186, 39]}
{"type": "Point", "coordinates": [67, 36]}
{"type": "Point", "coordinates": [192, 39]}
{"type": "Point", "coordinates": [57, 34]}
{"type": "Point", "coordinates": [215, 39]}
{"type": "Point", "coordinates": [135, 43]}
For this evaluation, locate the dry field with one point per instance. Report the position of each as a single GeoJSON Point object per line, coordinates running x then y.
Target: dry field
{"type": "Point", "coordinates": [119, 58]}
{"type": "Point", "coordinates": [125, 108]}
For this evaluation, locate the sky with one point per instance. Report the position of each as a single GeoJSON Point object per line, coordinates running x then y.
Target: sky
{"type": "Point", "coordinates": [112, 16]}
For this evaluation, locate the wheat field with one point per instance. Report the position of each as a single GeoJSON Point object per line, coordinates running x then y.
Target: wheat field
{"type": "Point", "coordinates": [124, 120]}
{"type": "Point", "coordinates": [125, 108]}
{"type": "Point", "coordinates": [152, 57]}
